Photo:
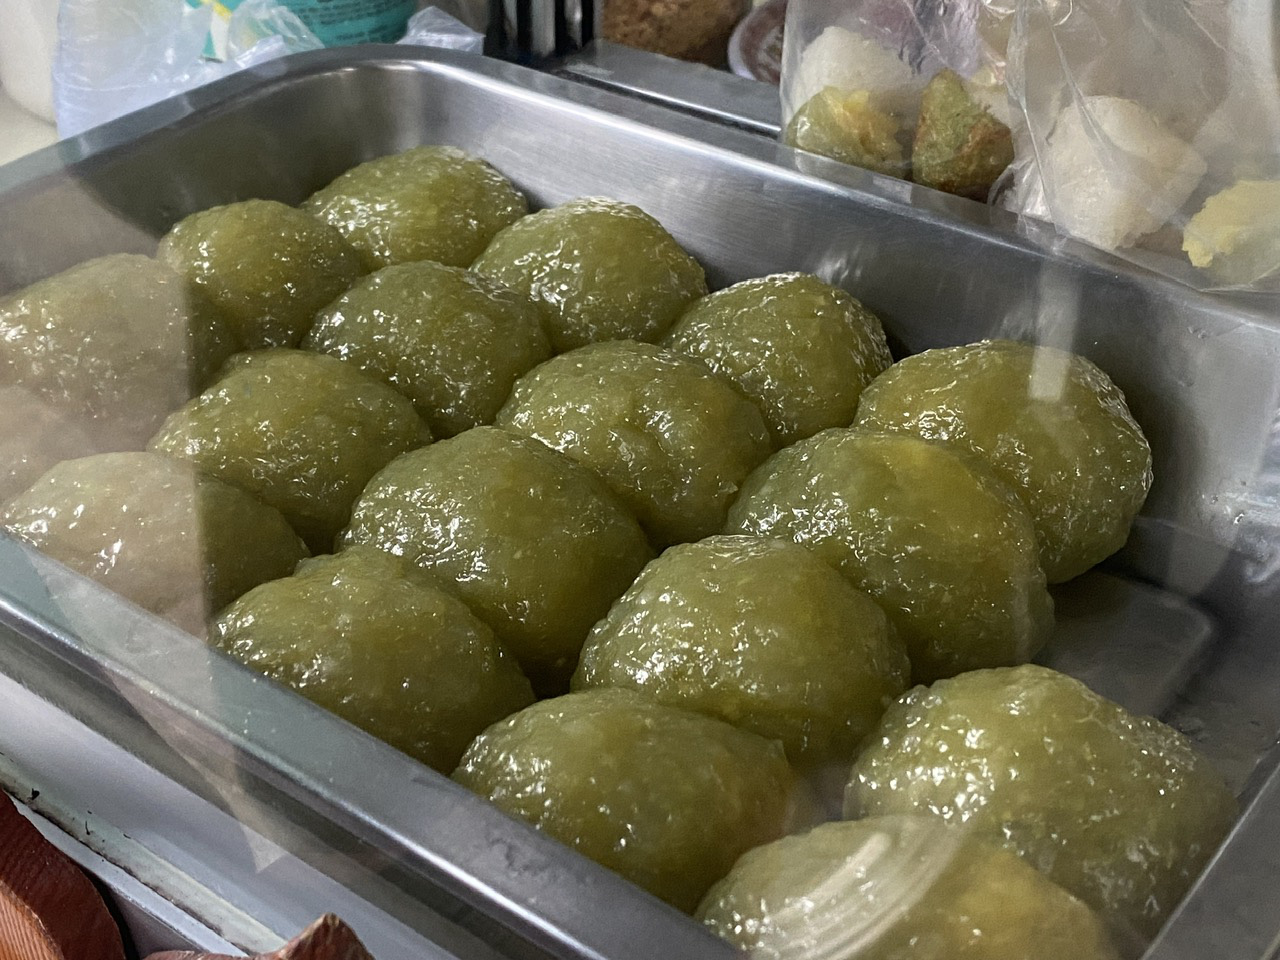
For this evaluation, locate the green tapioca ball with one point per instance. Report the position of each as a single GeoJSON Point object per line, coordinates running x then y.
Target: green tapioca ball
{"type": "Point", "coordinates": [667, 435]}
{"type": "Point", "coordinates": [1050, 424]}
{"type": "Point", "coordinates": [760, 633]}
{"type": "Point", "coordinates": [533, 542]}
{"type": "Point", "coordinates": [301, 431]}
{"type": "Point", "coordinates": [927, 531]}
{"type": "Point", "coordinates": [1117, 809]}
{"type": "Point", "coordinates": [151, 528]}
{"type": "Point", "coordinates": [897, 888]}
{"type": "Point", "coordinates": [451, 341]}
{"type": "Point", "coordinates": [604, 270]}
{"type": "Point", "coordinates": [802, 349]}
{"type": "Point", "coordinates": [267, 266]}
{"type": "Point", "coordinates": [382, 645]}
{"type": "Point", "coordinates": [118, 342]}
{"type": "Point", "coordinates": [428, 203]}
{"type": "Point", "coordinates": [665, 797]}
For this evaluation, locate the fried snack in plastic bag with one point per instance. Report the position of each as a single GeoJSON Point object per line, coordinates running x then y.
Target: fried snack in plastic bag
{"type": "Point", "coordinates": [1148, 129]}
{"type": "Point", "coordinates": [1161, 145]}
{"type": "Point", "coordinates": [867, 81]}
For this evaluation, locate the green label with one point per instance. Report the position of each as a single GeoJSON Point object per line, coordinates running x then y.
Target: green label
{"type": "Point", "coordinates": [338, 22]}
{"type": "Point", "coordinates": [215, 44]}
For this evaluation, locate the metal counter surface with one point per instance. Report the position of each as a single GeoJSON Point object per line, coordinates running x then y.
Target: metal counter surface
{"type": "Point", "coordinates": [1193, 614]}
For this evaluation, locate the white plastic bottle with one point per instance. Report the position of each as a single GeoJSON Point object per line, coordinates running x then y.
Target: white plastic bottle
{"type": "Point", "coordinates": [28, 35]}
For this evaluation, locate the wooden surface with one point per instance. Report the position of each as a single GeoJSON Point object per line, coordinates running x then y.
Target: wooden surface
{"type": "Point", "coordinates": [326, 939]}
{"type": "Point", "coordinates": [49, 909]}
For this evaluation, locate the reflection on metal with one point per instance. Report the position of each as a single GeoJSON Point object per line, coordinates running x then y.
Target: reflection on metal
{"type": "Point", "coordinates": [1201, 374]}
{"type": "Point", "coordinates": [689, 87]}
{"type": "Point", "coordinates": [1132, 643]}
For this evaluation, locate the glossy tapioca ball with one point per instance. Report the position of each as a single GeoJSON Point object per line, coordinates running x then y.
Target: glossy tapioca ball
{"type": "Point", "coordinates": [301, 431]}
{"type": "Point", "coordinates": [947, 550]}
{"type": "Point", "coordinates": [153, 529]}
{"type": "Point", "coordinates": [603, 270]}
{"type": "Point", "coordinates": [428, 203]}
{"type": "Point", "coordinates": [760, 633]}
{"type": "Point", "coordinates": [668, 436]}
{"type": "Point", "coordinates": [1048, 423]}
{"type": "Point", "coordinates": [381, 644]}
{"type": "Point", "coordinates": [1119, 810]}
{"type": "Point", "coordinates": [665, 797]}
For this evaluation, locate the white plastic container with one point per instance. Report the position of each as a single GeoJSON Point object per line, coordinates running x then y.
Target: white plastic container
{"type": "Point", "coordinates": [28, 36]}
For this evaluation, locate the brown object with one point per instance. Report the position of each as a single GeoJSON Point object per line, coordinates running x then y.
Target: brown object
{"type": "Point", "coordinates": [326, 939]}
{"type": "Point", "coordinates": [696, 30]}
{"type": "Point", "coordinates": [755, 48]}
{"type": "Point", "coordinates": [959, 146]}
{"type": "Point", "coordinates": [49, 909]}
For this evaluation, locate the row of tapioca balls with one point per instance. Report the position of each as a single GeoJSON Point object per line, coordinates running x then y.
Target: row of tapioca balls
{"type": "Point", "coordinates": [943, 548]}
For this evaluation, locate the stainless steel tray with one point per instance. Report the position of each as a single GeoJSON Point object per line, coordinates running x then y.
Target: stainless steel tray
{"type": "Point", "coordinates": [1183, 623]}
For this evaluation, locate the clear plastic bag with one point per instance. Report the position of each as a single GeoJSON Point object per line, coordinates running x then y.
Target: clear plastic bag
{"type": "Point", "coordinates": [444, 27]}
{"type": "Point", "coordinates": [116, 57]}
{"type": "Point", "coordinates": [861, 82]}
{"type": "Point", "coordinates": [1146, 128]}
{"type": "Point", "coordinates": [1163, 145]}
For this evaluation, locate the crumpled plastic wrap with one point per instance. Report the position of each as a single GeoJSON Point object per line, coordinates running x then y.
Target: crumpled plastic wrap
{"type": "Point", "coordinates": [451, 25]}
{"type": "Point", "coordinates": [1148, 129]}
{"type": "Point", "coordinates": [114, 58]}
